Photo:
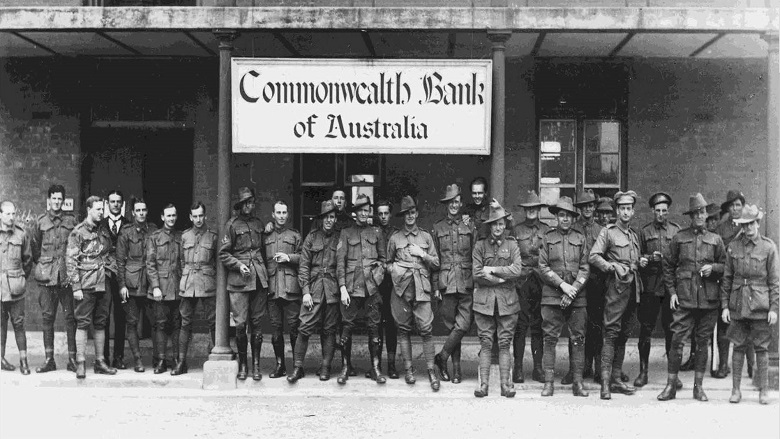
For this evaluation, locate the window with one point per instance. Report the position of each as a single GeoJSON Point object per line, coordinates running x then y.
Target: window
{"type": "Point", "coordinates": [567, 166]}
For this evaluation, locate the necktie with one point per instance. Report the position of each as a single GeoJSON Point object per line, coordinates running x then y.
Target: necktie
{"type": "Point", "coordinates": [115, 228]}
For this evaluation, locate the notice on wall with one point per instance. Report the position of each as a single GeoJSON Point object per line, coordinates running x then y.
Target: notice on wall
{"type": "Point", "coordinates": [361, 106]}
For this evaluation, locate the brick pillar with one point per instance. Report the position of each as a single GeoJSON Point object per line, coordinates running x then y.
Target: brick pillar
{"type": "Point", "coordinates": [772, 217]}
{"type": "Point", "coordinates": [497, 167]}
{"type": "Point", "coordinates": [219, 372]}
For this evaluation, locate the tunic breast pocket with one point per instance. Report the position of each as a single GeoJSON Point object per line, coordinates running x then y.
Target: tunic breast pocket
{"type": "Point", "coordinates": [243, 237]}
{"type": "Point", "coordinates": [653, 243]}
{"type": "Point", "coordinates": [757, 264]}
{"type": "Point", "coordinates": [371, 251]}
{"type": "Point", "coordinates": [290, 243]}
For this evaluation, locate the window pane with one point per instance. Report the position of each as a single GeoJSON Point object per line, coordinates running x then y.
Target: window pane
{"type": "Point", "coordinates": [557, 136]}
{"type": "Point", "coordinates": [602, 169]}
{"type": "Point", "coordinates": [318, 168]}
{"type": "Point", "coordinates": [557, 168]}
{"type": "Point", "coordinates": [602, 137]}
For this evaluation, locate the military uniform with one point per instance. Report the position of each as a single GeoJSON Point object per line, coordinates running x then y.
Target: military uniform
{"type": "Point", "coordinates": [16, 260]}
{"type": "Point", "coordinates": [198, 284]}
{"type": "Point", "coordinates": [653, 237]}
{"type": "Point", "coordinates": [594, 295]}
{"type": "Point", "coordinates": [163, 268]}
{"type": "Point", "coordinates": [317, 276]}
{"type": "Point", "coordinates": [50, 239]}
{"type": "Point", "coordinates": [89, 265]}
{"type": "Point", "coordinates": [478, 214]}
{"type": "Point", "coordinates": [361, 256]}
{"type": "Point", "coordinates": [454, 240]}
{"type": "Point", "coordinates": [616, 246]}
{"type": "Point", "coordinates": [529, 235]}
{"type": "Point", "coordinates": [750, 289]}
{"type": "Point", "coordinates": [728, 231]}
{"type": "Point", "coordinates": [496, 304]}
{"type": "Point", "coordinates": [114, 227]}
{"type": "Point", "coordinates": [411, 301]}
{"type": "Point", "coordinates": [388, 331]}
{"type": "Point", "coordinates": [563, 257]}
{"type": "Point", "coordinates": [242, 245]}
{"type": "Point", "coordinates": [284, 292]}
{"type": "Point", "coordinates": [131, 274]}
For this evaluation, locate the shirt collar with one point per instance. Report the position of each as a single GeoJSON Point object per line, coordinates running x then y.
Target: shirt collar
{"type": "Point", "coordinates": [114, 218]}
{"type": "Point", "coordinates": [660, 225]}
{"type": "Point", "coordinates": [414, 231]}
{"type": "Point", "coordinates": [497, 241]}
{"type": "Point", "coordinates": [54, 216]}
{"type": "Point", "coordinates": [453, 219]}
{"type": "Point", "coordinates": [754, 239]}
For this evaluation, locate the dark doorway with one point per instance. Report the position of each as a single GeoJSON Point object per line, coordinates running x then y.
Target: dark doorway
{"type": "Point", "coordinates": [156, 164]}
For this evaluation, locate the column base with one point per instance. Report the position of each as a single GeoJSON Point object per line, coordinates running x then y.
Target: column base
{"type": "Point", "coordinates": [219, 374]}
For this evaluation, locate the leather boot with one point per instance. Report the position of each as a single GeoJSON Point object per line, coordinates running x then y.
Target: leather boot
{"type": "Point", "coordinates": [24, 368]}
{"type": "Point", "coordinates": [434, 380]}
{"type": "Point", "coordinates": [257, 346]}
{"type": "Point", "coordinates": [48, 365]}
{"type": "Point", "coordinates": [139, 365]}
{"type": "Point", "coordinates": [280, 370]}
{"type": "Point", "coordinates": [441, 364]}
{"type": "Point", "coordinates": [689, 364]}
{"type": "Point", "coordinates": [569, 377]}
{"type": "Point", "coordinates": [518, 350]}
{"type": "Point", "coordinates": [328, 347]}
{"type": "Point", "coordinates": [135, 349]}
{"type": "Point", "coordinates": [750, 358]}
{"type": "Point", "coordinates": [587, 372]}
{"type": "Point", "coordinates": [549, 386]}
{"type": "Point", "coordinates": [505, 363]}
{"type": "Point", "coordinates": [698, 390]}
{"type": "Point", "coordinates": [670, 391]}
{"type": "Point", "coordinates": [180, 367]}
{"type": "Point", "coordinates": [375, 372]}
{"type": "Point", "coordinates": [644, 358]}
{"type": "Point", "coordinates": [392, 373]}
{"type": "Point", "coordinates": [737, 361]}
{"type": "Point", "coordinates": [578, 389]}
{"type": "Point", "coordinates": [618, 386]}
{"type": "Point", "coordinates": [119, 363]}
{"type": "Point", "coordinates": [101, 367]}
{"type": "Point", "coordinates": [762, 376]}
{"type": "Point", "coordinates": [81, 349]}
{"type": "Point", "coordinates": [484, 372]}
{"type": "Point", "coordinates": [597, 368]}
{"type": "Point", "coordinates": [409, 376]}
{"type": "Point", "coordinates": [296, 374]}
{"type": "Point", "coordinates": [71, 367]}
{"type": "Point", "coordinates": [160, 366]}
{"type": "Point", "coordinates": [160, 341]}
{"type": "Point", "coordinates": [457, 375]}
{"type": "Point", "coordinates": [537, 351]}
{"type": "Point", "coordinates": [241, 347]}
{"type": "Point", "coordinates": [346, 356]}
{"type": "Point", "coordinates": [578, 363]}
{"type": "Point", "coordinates": [723, 355]}
{"type": "Point", "coordinates": [81, 370]}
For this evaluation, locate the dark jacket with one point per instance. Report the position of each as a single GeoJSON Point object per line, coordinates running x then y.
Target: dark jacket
{"type": "Point", "coordinates": [16, 260]}
{"type": "Point", "coordinates": [49, 242]}
{"type": "Point", "coordinates": [283, 277]}
{"type": "Point", "coordinates": [655, 238]}
{"type": "Point", "coordinates": [405, 268]}
{"type": "Point", "coordinates": [131, 256]}
{"type": "Point", "coordinates": [750, 287]}
{"type": "Point", "coordinates": [243, 244]}
{"type": "Point", "coordinates": [454, 242]}
{"type": "Point", "coordinates": [361, 257]}
{"type": "Point", "coordinates": [162, 263]}
{"type": "Point", "coordinates": [88, 258]}
{"type": "Point", "coordinates": [689, 250]}
{"type": "Point", "coordinates": [563, 258]}
{"type": "Point", "coordinates": [529, 240]}
{"type": "Point", "coordinates": [199, 263]}
{"type": "Point", "coordinates": [617, 247]}
{"type": "Point", "coordinates": [504, 255]}
{"type": "Point", "coordinates": [317, 267]}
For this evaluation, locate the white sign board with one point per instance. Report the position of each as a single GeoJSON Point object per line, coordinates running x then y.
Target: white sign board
{"type": "Point", "coordinates": [361, 106]}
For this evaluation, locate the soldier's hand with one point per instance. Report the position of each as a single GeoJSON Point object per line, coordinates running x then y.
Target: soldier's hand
{"type": "Point", "coordinates": [437, 294]}
{"type": "Point", "coordinates": [771, 318]}
{"type": "Point", "coordinates": [674, 302]}
{"type": "Point", "coordinates": [565, 301]}
{"type": "Point", "coordinates": [415, 250]}
{"type": "Point", "coordinates": [307, 301]}
{"type": "Point", "coordinates": [345, 296]}
{"type": "Point", "coordinates": [78, 295]}
{"type": "Point", "coordinates": [466, 219]}
{"type": "Point", "coordinates": [245, 271]}
{"type": "Point", "coordinates": [726, 316]}
{"type": "Point", "coordinates": [281, 257]}
{"type": "Point", "coordinates": [611, 267]}
{"type": "Point", "coordinates": [157, 293]}
{"type": "Point", "coordinates": [643, 262]}
{"type": "Point", "coordinates": [124, 294]}
{"type": "Point", "coordinates": [269, 227]}
{"type": "Point", "coordinates": [705, 270]}
{"type": "Point", "coordinates": [569, 290]}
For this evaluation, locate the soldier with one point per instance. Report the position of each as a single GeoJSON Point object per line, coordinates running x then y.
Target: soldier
{"type": "Point", "coordinates": [15, 265]}
{"type": "Point", "coordinates": [361, 260]}
{"type": "Point", "coordinates": [89, 266]}
{"type": "Point", "coordinates": [388, 331]}
{"type": "Point", "coordinates": [616, 253]}
{"type": "Point", "coordinates": [343, 218]}
{"type": "Point", "coordinates": [317, 279]}
{"type": "Point", "coordinates": [605, 214]}
{"type": "Point", "coordinates": [594, 289]}
{"type": "Point", "coordinates": [691, 273]}
{"type": "Point", "coordinates": [454, 240]}
{"type": "Point", "coordinates": [282, 254]}
{"type": "Point", "coordinates": [131, 273]}
{"type": "Point", "coordinates": [113, 223]}
{"type": "Point", "coordinates": [728, 229]}
{"type": "Point", "coordinates": [713, 217]}
{"type": "Point", "coordinates": [529, 235]}
{"type": "Point", "coordinates": [563, 263]}
{"type": "Point", "coordinates": [497, 263]}
{"type": "Point", "coordinates": [50, 238]}
{"type": "Point", "coordinates": [749, 297]}
{"type": "Point", "coordinates": [198, 258]}
{"type": "Point", "coordinates": [411, 257]}
{"type": "Point", "coordinates": [247, 284]}
{"type": "Point", "coordinates": [163, 269]}
{"type": "Point", "coordinates": [654, 241]}
{"type": "Point", "coordinates": [478, 210]}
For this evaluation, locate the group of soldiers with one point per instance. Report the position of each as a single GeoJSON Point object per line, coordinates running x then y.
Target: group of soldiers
{"type": "Point", "coordinates": [591, 272]}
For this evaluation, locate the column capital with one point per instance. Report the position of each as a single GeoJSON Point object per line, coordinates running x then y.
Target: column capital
{"type": "Point", "coordinates": [499, 37]}
{"type": "Point", "coordinates": [225, 37]}
{"type": "Point", "coordinates": [773, 38]}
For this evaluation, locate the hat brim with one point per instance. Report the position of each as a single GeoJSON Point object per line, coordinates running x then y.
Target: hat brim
{"type": "Point", "coordinates": [554, 210]}
{"type": "Point", "coordinates": [691, 211]}
{"type": "Point", "coordinates": [239, 203]}
{"type": "Point", "coordinates": [749, 220]}
{"type": "Point", "coordinates": [358, 206]}
{"type": "Point", "coordinates": [403, 212]}
{"type": "Point", "coordinates": [724, 207]}
{"type": "Point", "coordinates": [531, 204]}
{"type": "Point", "coordinates": [490, 221]}
{"type": "Point", "coordinates": [447, 199]}
{"type": "Point", "coordinates": [334, 209]}
{"type": "Point", "coordinates": [582, 203]}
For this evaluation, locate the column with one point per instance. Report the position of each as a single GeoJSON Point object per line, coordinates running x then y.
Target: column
{"type": "Point", "coordinates": [219, 372]}
{"type": "Point", "coordinates": [497, 167]}
{"type": "Point", "coordinates": [772, 216]}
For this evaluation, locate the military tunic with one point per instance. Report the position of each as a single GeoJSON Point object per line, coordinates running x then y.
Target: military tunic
{"type": "Point", "coordinates": [317, 276]}
{"type": "Point", "coordinates": [16, 261]}
{"type": "Point", "coordinates": [454, 241]}
{"type": "Point", "coordinates": [89, 262]}
{"type": "Point", "coordinates": [529, 237]}
{"type": "Point", "coordinates": [199, 275]}
{"type": "Point", "coordinates": [163, 268]}
{"type": "Point", "coordinates": [131, 269]}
